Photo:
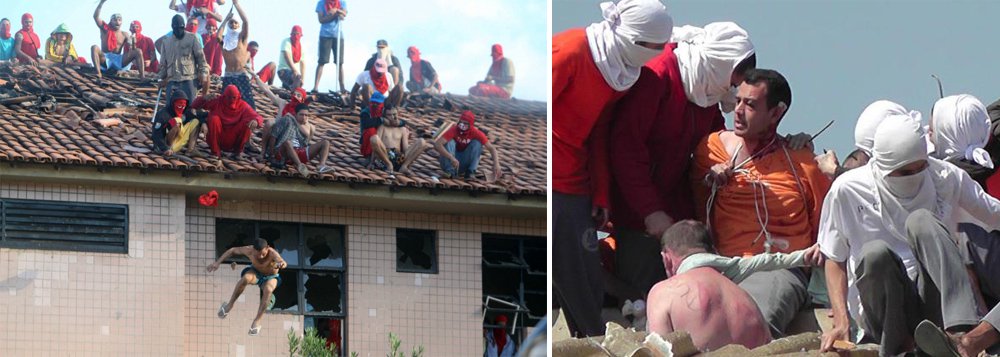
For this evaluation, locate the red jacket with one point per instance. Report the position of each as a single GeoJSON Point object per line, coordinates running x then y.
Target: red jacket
{"type": "Point", "coordinates": [655, 132]}
{"type": "Point", "coordinates": [213, 53]}
{"type": "Point", "coordinates": [580, 121]}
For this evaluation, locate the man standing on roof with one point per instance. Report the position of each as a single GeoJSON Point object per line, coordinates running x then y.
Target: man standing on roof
{"type": "Point", "coordinates": [234, 51]}
{"type": "Point", "coordinates": [213, 48]}
{"type": "Point", "coordinates": [59, 47]}
{"type": "Point", "coordinates": [7, 51]}
{"type": "Point", "coordinates": [758, 194]}
{"type": "Point", "coordinates": [372, 80]}
{"type": "Point", "coordinates": [111, 55]}
{"type": "Point", "coordinates": [26, 41]}
{"type": "Point", "coordinates": [145, 45]}
{"type": "Point", "coordinates": [265, 263]}
{"type": "Point", "coordinates": [499, 82]}
{"type": "Point", "coordinates": [423, 77]}
{"type": "Point", "coordinates": [183, 60]}
{"type": "Point", "coordinates": [231, 122]}
{"type": "Point", "coordinates": [200, 10]}
{"type": "Point", "coordinates": [656, 126]}
{"type": "Point", "coordinates": [330, 14]}
{"type": "Point", "coordinates": [382, 51]}
{"type": "Point", "coordinates": [267, 73]}
{"type": "Point", "coordinates": [176, 127]}
{"type": "Point", "coordinates": [291, 65]}
{"type": "Point", "coordinates": [591, 69]}
{"type": "Point", "coordinates": [461, 147]}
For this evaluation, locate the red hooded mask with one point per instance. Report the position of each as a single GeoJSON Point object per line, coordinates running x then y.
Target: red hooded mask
{"type": "Point", "coordinates": [416, 70]}
{"type": "Point", "coordinates": [296, 36]}
{"type": "Point", "coordinates": [497, 54]}
{"type": "Point", "coordinates": [231, 100]}
{"type": "Point", "coordinates": [193, 4]}
{"type": "Point", "coordinates": [137, 30]}
{"type": "Point", "coordinates": [179, 106]}
{"type": "Point", "coordinates": [375, 109]}
{"type": "Point", "coordinates": [5, 30]}
{"type": "Point", "coordinates": [212, 23]}
{"type": "Point", "coordinates": [332, 5]}
{"type": "Point", "coordinates": [467, 117]}
{"type": "Point", "coordinates": [31, 43]}
{"type": "Point", "coordinates": [299, 96]}
{"type": "Point", "coordinates": [500, 334]}
{"type": "Point", "coordinates": [192, 25]}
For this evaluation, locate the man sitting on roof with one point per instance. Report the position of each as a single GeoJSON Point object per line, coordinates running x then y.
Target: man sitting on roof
{"type": "Point", "coordinates": [701, 295]}
{"type": "Point", "coordinates": [234, 51]}
{"type": "Point", "coordinates": [886, 231]}
{"type": "Point", "coordinates": [6, 42]}
{"type": "Point", "coordinates": [372, 80]}
{"type": "Point", "coordinates": [59, 47]}
{"type": "Point", "coordinates": [461, 147]}
{"type": "Point", "coordinates": [267, 73]}
{"type": "Point", "coordinates": [295, 145]}
{"type": "Point", "coordinates": [423, 77]}
{"type": "Point", "coordinates": [291, 65]}
{"type": "Point", "coordinates": [371, 120]}
{"type": "Point", "coordinates": [111, 55]}
{"type": "Point", "coordinates": [760, 195]}
{"type": "Point", "coordinates": [176, 126]}
{"type": "Point", "coordinates": [145, 45]}
{"type": "Point", "coordinates": [392, 144]}
{"type": "Point", "coordinates": [26, 42]}
{"type": "Point", "coordinates": [299, 96]}
{"type": "Point", "coordinates": [864, 136]}
{"type": "Point", "coordinates": [231, 122]}
{"type": "Point", "coordinates": [499, 82]}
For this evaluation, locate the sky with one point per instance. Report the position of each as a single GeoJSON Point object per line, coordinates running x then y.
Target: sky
{"type": "Point", "coordinates": [840, 56]}
{"type": "Point", "coordinates": [455, 36]}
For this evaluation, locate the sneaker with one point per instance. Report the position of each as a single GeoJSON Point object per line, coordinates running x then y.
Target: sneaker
{"type": "Point", "coordinates": [324, 169]}
{"type": "Point", "coordinates": [222, 311]}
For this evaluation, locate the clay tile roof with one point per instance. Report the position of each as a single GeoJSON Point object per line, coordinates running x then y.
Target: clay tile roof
{"type": "Point", "coordinates": [47, 117]}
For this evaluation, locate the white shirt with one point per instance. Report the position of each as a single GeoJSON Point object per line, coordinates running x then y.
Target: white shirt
{"type": "Point", "coordinates": [851, 217]}
{"type": "Point", "coordinates": [286, 46]}
{"type": "Point", "coordinates": [365, 78]}
{"type": "Point", "coordinates": [202, 20]}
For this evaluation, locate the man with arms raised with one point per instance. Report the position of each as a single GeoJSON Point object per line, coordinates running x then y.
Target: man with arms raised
{"type": "Point", "coordinates": [111, 54]}
{"type": "Point", "coordinates": [263, 272]}
{"type": "Point", "coordinates": [235, 54]}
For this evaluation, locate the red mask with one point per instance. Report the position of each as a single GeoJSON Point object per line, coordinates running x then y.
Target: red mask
{"type": "Point", "coordinates": [192, 26]}
{"type": "Point", "coordinates": [296, 45]}
{"type": "Point", "coordinates": [497, 52]}
{"type": "Point", "coordinates": [231, 97]}
{"type": "Point", "coordinates": [136, 29]}
{"type": "Point", "coordinates": [469, 118]}
{"type": "Point", "coordinates": [298, 97]}
{"type": "Point", "coordinates": [296, 34]}
{"type": "Point", "coordinates": [24, 22]}
{"type": "Point", "coordinates": [210, 199]}
{"type": "Point", "coordinates": [5, 30]}
{"type": "Point", "coordinates": [376, 109]}
{"type": "Point", "coordinates": [179, 106]}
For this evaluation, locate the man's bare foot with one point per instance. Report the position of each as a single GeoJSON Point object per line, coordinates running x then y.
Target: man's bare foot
{"type": "Point", "coordinates": [303, 170]}
{"type": "Point", "coordinates": [194, 153]}
{"type": "Point", "coordinates": [237, 156]}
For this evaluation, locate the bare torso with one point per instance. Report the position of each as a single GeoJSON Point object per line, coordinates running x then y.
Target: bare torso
{"type": "Point", "coordinates": [268, 265]}
{"type": "Point", "coordinates": [706, 304]}
{"type": "Point", "coordinates": [393, 137]}
{"type": "Point", "coordinates": [122, 37]}
{"type": "Point", "coordinates": [236, 59]}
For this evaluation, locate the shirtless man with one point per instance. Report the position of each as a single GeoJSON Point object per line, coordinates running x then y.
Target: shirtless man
{"type": "Point", "coordinates": [390, 142]}
{"type": "Point", "coordinates": [110, 54]}
{"type": "Point", "coordinates": [263, 272]}
{"type": "Point", "coordinates": [701, 296]}
{"type": "Point", "coordinates": [235, 53]}
{"type": "Point", "coordinates": [297, 150]}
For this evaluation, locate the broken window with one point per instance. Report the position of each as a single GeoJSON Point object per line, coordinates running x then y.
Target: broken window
{"type": "Point", "coordinates": [231, 233]}
{"type": "Point", "coordinates": [416, 251]}
{"type": "Point", "coordinates": [324, 246]}
{"type": "Point", "coordinates": [323, 292]}
{"type": "Point", "coordinates": [514, 270]}
{"type": "Point", "coordinates": [329, 328]}
{"type": "Point", "coordinates": [283, 237]}
{"type": "Point", "coordinates": [286, 295]}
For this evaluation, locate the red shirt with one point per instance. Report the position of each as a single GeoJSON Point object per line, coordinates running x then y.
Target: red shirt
{"type": "Point", "coordinates": [462, 141]}
{"type": "Point", "coordinates": [580, 122]}
{"type": "Point", "coordinates": [656, 129]}
{"type": "Point", "coordinates": [145, 44]}
{"type": "Point", "coordinates": [213, 54]}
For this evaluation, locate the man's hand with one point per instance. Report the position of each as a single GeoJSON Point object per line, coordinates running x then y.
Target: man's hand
{"type": "Point", "coordinates": [601, 215]}
{"type": "Point", "coordinates": [252, 125]}
{"type": "Point", "coordinates": [828, 162]}
{"type": "Point", "coordinates": [800, 140]}
{"type": "Point", "coordinates": [454, 163]}
{"type": "Point", "coordinates": [210, 96]}
{"type": "Point", "coordinates": [719, 174]}
{"type": "Point", "coordinates": [212, 267]}
{"type": "Point", "coordinates": [814, 257]}
{"type": "Point", "coordinates": [657, 223]}
{"type": "Point", "coordinates": [497, 173]}
{"type": "Point", "coordinates": [838, 333]}
{"type": "Point", "coordinates": [161, 84]}
{"type": "Point", "coordinates": [168, 153]}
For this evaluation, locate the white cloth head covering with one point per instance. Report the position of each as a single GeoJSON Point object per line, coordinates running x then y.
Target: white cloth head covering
{"type": "Point", "coordinates": [961, 129]}
{"type": "Point", "coordinates": [870, 118]}
{"type": "Point", "coordinates": [612, 41]}
{"type": "Point", "coordinates": [230, 40]}
{"type": "Point", "coordinates": [899, 141]}
{"type": "Point", "coordinates": [707, 57]}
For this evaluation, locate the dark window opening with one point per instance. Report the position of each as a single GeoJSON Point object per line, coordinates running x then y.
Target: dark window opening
{"type": "Point", "coordinates": [323, 293]}
{"type": "Point", "coordinates": [416, 251]}
{"type": "Point", "coordinates": [77, 226]}
{"type": "Point", "coordinates": [286, 295]}
{"type": "Point", "coordinates": [329, 328]}
{"type": "Point", "coordinates": [324, 246]}
{"type": "Point", "coordinates": [514, 271]}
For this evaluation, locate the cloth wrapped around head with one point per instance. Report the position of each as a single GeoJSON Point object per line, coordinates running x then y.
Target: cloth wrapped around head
{"type": "Point", "coordinates": [961, 128]}
{"type": "Point", "coordinates": [613, 40]}
{"type": "Point", "coordinates": [707, 57]}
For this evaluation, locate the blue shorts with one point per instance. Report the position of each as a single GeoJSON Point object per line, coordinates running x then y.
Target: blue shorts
{"type": "Point", "coordinates": [261, 278]}
{"type": "Point", "coordinates": [113, 61]}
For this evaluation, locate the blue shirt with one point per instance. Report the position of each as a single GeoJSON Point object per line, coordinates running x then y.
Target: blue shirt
{"type": "Point", "coordinates": [329, 29]}
{"type": "Point", "coordinates": [7, 49]}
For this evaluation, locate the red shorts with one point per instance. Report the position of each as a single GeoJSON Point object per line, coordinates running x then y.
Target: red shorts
{"type": "Point", "coordinates": [366, 141]}
{"type": "Point", "coordinates": [302, 153]}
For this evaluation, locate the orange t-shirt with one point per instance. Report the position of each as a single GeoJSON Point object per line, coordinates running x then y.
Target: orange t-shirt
{"type": "Point", "coordinates": [792, 210]}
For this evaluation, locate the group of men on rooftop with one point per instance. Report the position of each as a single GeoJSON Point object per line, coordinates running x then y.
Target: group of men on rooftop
{"type": "Point", "coordinates": [196, 49]}
{"type": "Point", "coordinates": [901, 233]}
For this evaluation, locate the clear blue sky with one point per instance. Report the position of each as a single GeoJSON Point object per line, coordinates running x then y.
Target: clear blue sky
{"type": "Point", "coordinates": [839, 56]}
{"type": "Point", "coordinates": [455, 36]}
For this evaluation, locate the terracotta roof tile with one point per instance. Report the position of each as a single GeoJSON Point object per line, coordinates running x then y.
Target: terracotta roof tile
{"type": "Point", "coordinates": [35, 132]}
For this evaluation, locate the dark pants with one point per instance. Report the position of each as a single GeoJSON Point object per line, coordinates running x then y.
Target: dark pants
{"type": "Point", "coordinates": [243, 84]}
{"type": "Point", "coordinates": [894, 305]}
{"type": "Point", "coordinates": [981, 251]}
{"type": "Point", "coordinates": [576, 268]}
{"type": "Point", "coordinates": [637, 259]}
{"type": "Point", "coordinates": [468, 159]}
{"type": "Point", "coordinates": [185, 86]}
{"type": "Point", "coordinates": [779, 295]}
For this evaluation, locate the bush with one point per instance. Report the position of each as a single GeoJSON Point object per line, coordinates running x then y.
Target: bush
{"type": "Point", "coordinates": [395, 342]}
{"type": "Point", "coordinates": [309, 345]}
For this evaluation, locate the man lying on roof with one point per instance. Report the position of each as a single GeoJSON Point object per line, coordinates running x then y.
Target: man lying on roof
{"type": "Point", "coordinates": [59, 47]}
{"type": "Point", "coordinates": [111, 55]}
{"type": "Point", "coordinates": [231, 122]}
{"type": "Point", "coordinates": [176, 127]}
{"type": "Point", "coordinates": [701, 295]}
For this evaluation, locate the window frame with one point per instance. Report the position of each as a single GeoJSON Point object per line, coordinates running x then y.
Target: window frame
{"type": "Point", "coordinates": [435, 268]}
{"type": "Point", "coordinates": [524, 269]}
{"type": "Point", "coordinates": [71, 246]}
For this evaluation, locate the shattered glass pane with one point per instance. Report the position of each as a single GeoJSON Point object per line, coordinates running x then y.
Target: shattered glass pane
{"type": "Point", "coordinates": [286, 295]}
{"type": "Point", "coordinates": [324, 246]}
{"type": "Point", "coordinates": [231, 233]}
{"type": "Point", "coordinates": [416, 251]}
{"type": "Point", "coordinates": [284, 237]}
{"type": "Point", "coordinates": [324, 292]}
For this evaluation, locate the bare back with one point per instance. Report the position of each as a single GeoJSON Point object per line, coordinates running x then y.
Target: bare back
{"type": "Point", "coordinates": [706, 304]}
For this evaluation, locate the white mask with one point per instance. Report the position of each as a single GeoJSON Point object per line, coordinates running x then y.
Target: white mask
{"type": "Point", "coordinates": [905, 187]}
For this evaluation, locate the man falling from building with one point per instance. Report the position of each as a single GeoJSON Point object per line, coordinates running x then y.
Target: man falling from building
{"type": "Point", "coordinates": [263, 272]}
